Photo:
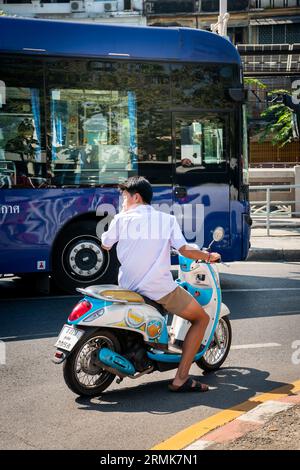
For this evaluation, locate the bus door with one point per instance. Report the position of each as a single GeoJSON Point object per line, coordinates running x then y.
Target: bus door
{"type": "Point", "coordinates": [201, 190]}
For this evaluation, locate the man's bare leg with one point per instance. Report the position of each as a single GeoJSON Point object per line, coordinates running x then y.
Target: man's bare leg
{"type": "Point", "coordinates": [199, 321]}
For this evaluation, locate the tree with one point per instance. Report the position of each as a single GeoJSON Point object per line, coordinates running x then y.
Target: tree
{"type": "Point", "coordinates": [280, 119]}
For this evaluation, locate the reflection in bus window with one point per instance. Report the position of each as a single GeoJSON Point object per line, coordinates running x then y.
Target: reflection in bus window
{"type": "Point", "coordinates": [201, 145]}
{"type": "Point", "coordinates": [93, 138]}
{"type": "Point", "coordinates": [155, 147]}
{"type": "Point", "coordinates": [20, 137]}
{"type": "Point", "coordinates": [191, 143]}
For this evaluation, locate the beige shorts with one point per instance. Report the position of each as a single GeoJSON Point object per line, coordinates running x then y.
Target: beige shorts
{"type": "Point", "coordinates": [176, 301]}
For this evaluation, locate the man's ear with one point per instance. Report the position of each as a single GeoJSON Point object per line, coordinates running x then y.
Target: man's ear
{"type": "Point", "coordinates": [138, 198]}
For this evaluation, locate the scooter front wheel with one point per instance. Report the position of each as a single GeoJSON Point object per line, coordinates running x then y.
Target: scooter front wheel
{"type": "Point", "coordinates": [82, 374]}
{"type": "Point", "coordinates": [218, 349]}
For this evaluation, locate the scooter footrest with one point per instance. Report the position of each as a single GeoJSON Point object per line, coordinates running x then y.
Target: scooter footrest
{"type": "Point", "coordinates": [174, 349]}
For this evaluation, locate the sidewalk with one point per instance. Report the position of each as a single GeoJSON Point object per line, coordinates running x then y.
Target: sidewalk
{"type": "Point", "coordinates": [272, 425]}
{"type": "Point", "coordinates": [283, 244]}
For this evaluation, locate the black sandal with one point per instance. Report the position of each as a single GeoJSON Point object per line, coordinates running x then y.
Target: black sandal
{"type": "Point", "coordinates": [189, 386]}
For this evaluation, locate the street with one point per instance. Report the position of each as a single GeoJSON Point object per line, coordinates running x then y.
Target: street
{"type": "Point", "coordinates": [39, 412]}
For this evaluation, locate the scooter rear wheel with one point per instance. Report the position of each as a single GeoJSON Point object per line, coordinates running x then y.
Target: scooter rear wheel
{"type": "Point", "coordinates": [217, 354]}
{"type": "Point", "coordinates": [82, 375]}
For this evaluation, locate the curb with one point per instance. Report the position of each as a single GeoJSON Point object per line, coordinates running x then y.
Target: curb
{"type": "Point", "coordinates": [269, 254]}
{"type": "Point", "coordinates": [234, 422]}
{"type": "Point", "coordinates": [250, 421]}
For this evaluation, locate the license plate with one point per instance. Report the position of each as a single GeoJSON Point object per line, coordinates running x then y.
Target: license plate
{"type": "Point", "coordinates": [68, 337]}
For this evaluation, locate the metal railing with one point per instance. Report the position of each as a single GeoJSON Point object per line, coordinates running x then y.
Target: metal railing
{"type": "Point", "coordinates": [268, 210]}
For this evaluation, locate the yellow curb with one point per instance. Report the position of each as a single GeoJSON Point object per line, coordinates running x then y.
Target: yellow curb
{"type": "Point", "coordinates": [191, 434]}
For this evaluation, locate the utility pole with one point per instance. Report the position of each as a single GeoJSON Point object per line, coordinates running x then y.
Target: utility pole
{"type": "Point", "coordinates": [221, 26]}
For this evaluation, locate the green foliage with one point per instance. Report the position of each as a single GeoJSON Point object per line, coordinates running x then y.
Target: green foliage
{"type": "Point", "coordinates": [279, 126]}
{"type": "Point", "coordinates": [278, 117]}
{"type": "Point", "coordinates": [279, 120]}
{"type": "Point", "coordinates": [254, 82]}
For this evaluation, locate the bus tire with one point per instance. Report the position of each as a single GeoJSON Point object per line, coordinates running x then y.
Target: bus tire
{"type": "Point", "coordinates": [79, 261]}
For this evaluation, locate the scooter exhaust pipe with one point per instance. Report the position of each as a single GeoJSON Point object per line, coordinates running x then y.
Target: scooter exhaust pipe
{"type": "Point", "coordinates": [115, 363]}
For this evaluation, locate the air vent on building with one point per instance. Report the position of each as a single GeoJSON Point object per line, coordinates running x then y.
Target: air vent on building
{"type": "Point", "coordinates": [77, 7]}
{"type": "Point", "coordinates": [107, 6]}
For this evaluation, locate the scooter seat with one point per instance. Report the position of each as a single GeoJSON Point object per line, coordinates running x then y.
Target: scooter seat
{"type": "Point", "coordinates": [128, 295]}
{"type": "Point", "coordinates": [111, 292]}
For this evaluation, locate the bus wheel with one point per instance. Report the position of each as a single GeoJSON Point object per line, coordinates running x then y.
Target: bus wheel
{"type": "Point", "coordinates": [79, 261]}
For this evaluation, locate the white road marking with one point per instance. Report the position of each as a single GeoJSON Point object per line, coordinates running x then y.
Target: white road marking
{"type": "Point", "coordinates": [262, 289]}
{"type": "Point", "coordinates": [254, 346]}
{"type": "Point", "coordinates": [55, 333]}
{"type": "Point", "coordinates": [48, 297]}
{"type": "Point", "coordinates": [41, 336]}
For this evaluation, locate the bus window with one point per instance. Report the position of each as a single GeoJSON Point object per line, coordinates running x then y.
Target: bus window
{"type": "Point", "coordinates": [23, 163]}
{"type": "Point", "coordinates": [155, 147]}
{"type": "Point", "coordinates": [245, 156]}
{"type": "Point", "coordinates": [202, 86]}
{"type": "Point", "coordinates": [104, 122]}
{"type": "Point", "coordinates": [93, 138]}
{"type": "Point", "coordinates": [22, 137]}
{"type": "Point", "coordinates": [201, 147]}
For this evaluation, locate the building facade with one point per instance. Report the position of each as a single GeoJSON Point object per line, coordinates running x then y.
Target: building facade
{"type": "Point", "coordinates": [103, 11]}
{"type": "Point", "coordinates": [251, 21]}
{"type": "Point", "coordinates": [267, 34]}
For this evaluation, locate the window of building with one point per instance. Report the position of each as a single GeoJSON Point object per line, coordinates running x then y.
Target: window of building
{"type": "Point", "coordinates": [237, 35]}
{"type": "Point", "coordinates": [279, 34]}
{"type": "Point", "coordinates": [275, 3]}
{"type": "Point", "coordinates": [127, 4]}
{"type": "Point", "coordinates": [210, 6]}
{"type": "Point", "coordinates": [170, 6]}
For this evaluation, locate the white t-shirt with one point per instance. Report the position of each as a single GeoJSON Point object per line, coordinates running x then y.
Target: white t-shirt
{"type": "Point", "coordinates": [144, 237]}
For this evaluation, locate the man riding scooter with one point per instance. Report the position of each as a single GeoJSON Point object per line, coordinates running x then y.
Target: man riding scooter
{"type": "Point", "coordinates": [145, 267]}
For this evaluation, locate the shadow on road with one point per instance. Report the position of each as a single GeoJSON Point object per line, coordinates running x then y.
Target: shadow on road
{"type": "Point", "coordinates": [231, 386]}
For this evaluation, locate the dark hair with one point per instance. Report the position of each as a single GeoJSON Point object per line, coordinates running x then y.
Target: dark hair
{"type": "Point", "coordinates": [26, 126]}
{"type": "Point", "coordinates": [140, 185]}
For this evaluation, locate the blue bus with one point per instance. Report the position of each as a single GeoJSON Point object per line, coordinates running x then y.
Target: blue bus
{"type": "Point", "coordinates": [83, 106]}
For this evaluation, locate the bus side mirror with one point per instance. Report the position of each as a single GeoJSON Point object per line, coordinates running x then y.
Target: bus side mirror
{"type": "Point", "coordinates": [240, 95]}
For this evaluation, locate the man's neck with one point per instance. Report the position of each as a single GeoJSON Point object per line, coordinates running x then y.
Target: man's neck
{"type": "Point", "coordinates": [139, 204]}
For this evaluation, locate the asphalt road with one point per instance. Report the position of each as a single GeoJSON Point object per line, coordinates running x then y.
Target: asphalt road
{"type": "Point", "coordinates": [39, 412]}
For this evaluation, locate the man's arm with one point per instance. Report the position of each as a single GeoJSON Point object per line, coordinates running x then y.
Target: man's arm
{"type": "Point", "coordinates": [109, 238]}
{"type": "Point", "coordinates": [194, 253]}
{"type": "Point", "coordinates": [179, 243]}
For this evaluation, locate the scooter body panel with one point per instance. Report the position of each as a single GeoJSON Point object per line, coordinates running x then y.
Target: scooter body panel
{"type": "Point", "coordinates": [141, 318]}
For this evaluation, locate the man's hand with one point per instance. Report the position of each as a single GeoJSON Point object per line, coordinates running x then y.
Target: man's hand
{"type": "Point", "coordinates": [214, 257]}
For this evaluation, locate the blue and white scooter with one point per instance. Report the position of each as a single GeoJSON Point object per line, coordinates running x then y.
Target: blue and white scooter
{"type": "Point", "coordinates": [114, 332]}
